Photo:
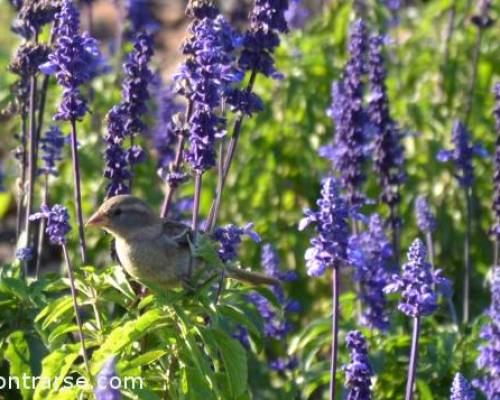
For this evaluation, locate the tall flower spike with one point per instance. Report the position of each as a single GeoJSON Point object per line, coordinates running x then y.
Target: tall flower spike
{"type": "Point", "coordinates": [388, 151]}
{"type": "Point", "coordinates": [52, 145]}
{"type": "Point", "coordinates": [425, 218]}
{"type": "Point", "coordinates": [371, 254]}
{"type": "Point", "coordinates": [488, 360]}
{"type": "Point", "coordinates": [33, 14]}
{"type": "Point", "coordinates": [358, 372]}
{"type": "Point", "coordinates": [70, 61]}
{"type": "Point", "coordinates": [348, 151]}
{"type": "Point", "coordinates": [297, 15]}
{"type": "Point", "coordinates": [329, 247]}
{"type": "Point", "coordinates": [461, 389]}
{"type": "Point", "coordinates": [416, 283]}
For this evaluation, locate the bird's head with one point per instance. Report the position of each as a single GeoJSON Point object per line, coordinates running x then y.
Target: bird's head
{"type": "Point", "coordinates": [125, 216]}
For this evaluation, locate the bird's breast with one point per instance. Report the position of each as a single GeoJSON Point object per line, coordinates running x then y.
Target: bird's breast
{"type": "Point", "coordinates": [149, 261]}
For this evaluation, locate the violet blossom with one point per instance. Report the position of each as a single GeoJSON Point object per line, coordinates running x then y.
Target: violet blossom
{"type": "Point", "coordinates": [358, 372]}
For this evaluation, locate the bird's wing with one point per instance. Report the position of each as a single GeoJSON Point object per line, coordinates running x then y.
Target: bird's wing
{"type": "Point", "coordinates": [176, 231]}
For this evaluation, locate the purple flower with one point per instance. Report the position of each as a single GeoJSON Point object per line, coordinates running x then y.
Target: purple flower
{"type": "Point", "coordinates": [2, 179]}
{"type": "Point", "coordinates": [495, 230]}
{"type": "Point", "coordinates": [461, 155]}
{"type": "Point", "coordinates": [358, 372]}
{"type": "Point", "coordinates": [284, 364]}
{"type": "Point", "coordinates": [267, 20]}
{"type": "Point", "coordinates": [482, 19]}
{"type": "Point", "coordinates": [105, 387]}
{"type": "Point", "coordinates": [461, 389]}
{"type": "Point", "coordinates": [33, 14]}
{"type": "Point", "coordinates": [488, 360]}
{"type": "Point", "coordinates": [57, 222]}
{"type": "Point", "coordinates": [241, 334]}
{"type": "Point", "coordinates": [371, 254]}
{"type": "Point", "coordinates": [425, 218]}
{"type": "Point", "coordinates": [297, 15]}
{"type": "Point", "coordinates": [117, 169]}
{"type": "Point", "coordinates": [135, 83]}
{"type": "Point", "coordinates": [28, 59]}
{"type": "Point", "coordinates": [205, 79]}
{"type": "Point", "coordinates": [24, 254]}
{"type": "Point", "coordinates": [348, 151]}
{"type": "Point", "coordinates": [141, 19]}
{"type": "Point", "coordinates": [329, 247]}
{"type": "Point", "coordinates": [73, 60]}
{"type": "Point", "coordinates": [416, 283]}
{"type": "Point", "coordinates": [229, 238]}
{"type": "Point", "coordinates": [52, 145]}
{"type": "Point", "coordinates": [388, 150]}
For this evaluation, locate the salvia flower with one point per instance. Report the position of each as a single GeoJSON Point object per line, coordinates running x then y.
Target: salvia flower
{"type": "Point", "coordinates": [2, 179]}
{"type": "Point", "coordinates": [416, 283]}
{"type": "Point", "coordinates": [495, 230]}
{"type": "Point", "coordinates": [52, 144]}
{"type": "Point", "coordinates": [358, 372]}
{"type": "Point", "coordinates": [229, 238]}
{"type": "Point", "coordinates": [462, 153]}
{"type": "Point", "coordinates": [283, 364]}
{"type": "Point", "coordinates": [205, 78]}
{"type": "Point", "coordinates": [57, 222]}
{"type": "Point", "coordinates": [388, 150]}
{"type": "Point", "coordinates": [348, 151]}
{"type": "Point", "coordinates": [72, 62]}
{"type": "Point", "coordinates": [141, 19]}
{"type": "Point", "coordinates": [488, 360]}
{"type": "Point", "coordinates": [28, 58]}
{"type": "Point", "coordinates": [483, 19]}
{"type": "Point", "coordinates": [329, 247]}
{"type": "Point", "coordinates": [267, 20]}
{"type": "Point", "coordinates": [135, 84]}
{"type": "Point", "coordinates": [371, 254]}
{"type": "Point", "coordinates": [425, 218]}
{"type": "Point", "coordinates": [33, 14]}
{"type": "Point", "coordinates": [117, 169]}
{"type": "Point", "coordinates": [241, 334]}
{"type": "Point", "coordinates": [105, 389]}
{"type": "Point", "coordinates": [461, 389]}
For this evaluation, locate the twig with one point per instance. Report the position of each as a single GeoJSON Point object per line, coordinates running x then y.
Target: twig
{"type": "Point", "coordinates": [412, 370]}
{"type": "Point", "coordinates": [335, 330]}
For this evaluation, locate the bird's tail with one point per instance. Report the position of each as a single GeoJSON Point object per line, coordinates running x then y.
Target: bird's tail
{"type": "Point", "coordinates": [253, 278]}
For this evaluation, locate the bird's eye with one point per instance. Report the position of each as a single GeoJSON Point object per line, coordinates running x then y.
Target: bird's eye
{"type": "Point", "coordinates": [117, 212]}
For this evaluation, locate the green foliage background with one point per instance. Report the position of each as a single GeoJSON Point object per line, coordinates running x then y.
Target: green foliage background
{"type": "Point", "coordinates": [276, 174]}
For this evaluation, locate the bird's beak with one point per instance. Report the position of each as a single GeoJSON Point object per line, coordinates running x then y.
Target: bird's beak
{"type": "Point", "coordinates": [97, 220]}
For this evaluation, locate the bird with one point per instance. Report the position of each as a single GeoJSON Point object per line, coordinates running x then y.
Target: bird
{"type": "Point", "coordinates": [153, 250]}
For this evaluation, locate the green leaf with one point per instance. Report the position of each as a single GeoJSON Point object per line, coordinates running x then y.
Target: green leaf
{"type": "Point", "coordinates": [120, 282]}
{"type": "Point", "coordinates": [53, 312]}
{"type": "Point", "coordinates": [15, 286]}
{"type": "Point", "coordinates": [204, 248]}
{"type": "Point", "coordinates": [424, 391]}
{"type": "Point", "coordinates": [56, 365]}
{"type": "Point", "coordinates": [234, 358]}
{"type": "Point", "coordinates": [18, 355]}
{"type": "Point", "coordinates": [127, 334]}
{"type": "Point", "coordinates": [194, 385]}
{"type": "Point", "coordinates": [143, 359]}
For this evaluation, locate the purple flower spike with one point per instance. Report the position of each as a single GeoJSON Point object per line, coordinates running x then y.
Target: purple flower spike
{"type": "Point", "coordinates": [141, 19]}
{"type": "Point", "coordinates": [57, 222]}
{"type": "Point", "coordinates": [462, 154]}
{"type": "Point", "coordinates": [33, 14]}
{"type": "Point", "coordinates": [329, 247]}
{"type": "Point", "coordinates": [416, 283]}
{"type": "Point", "coordinates": [52, 146]}
{"type": "Point", "coordinates": [358, 372]}
{"type": "Point", "coordinates": [229, 238]}
{"type": "Point", "coordinates": [461, 389]}
{"type": "Point", "coordinates": [297, 15]}
{"type": "Point", "coordinates": [371, 254]}
{"type": "Point", "coordinates": [24, 254]}
{"type": "Point", "coordinates": [105, 387]}
{"type": "Point", "coordinates": [388, 150]}
{"type": "Point", "coordinates": [489, 353]}
{"type": "Point", "coordinates": [73, 54]}
{"type": "Point", "coordinates": [425, 218]}
{"type": "Point", "coordinates": [348, 151]}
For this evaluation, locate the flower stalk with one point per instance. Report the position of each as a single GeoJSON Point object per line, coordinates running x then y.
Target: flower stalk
{"type": "Point", "coordinates": [412, 370]}
{"type": "Point", "coordinates": [335, 330]}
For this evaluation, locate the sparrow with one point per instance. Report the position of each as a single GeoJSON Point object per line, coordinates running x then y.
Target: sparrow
{"type": "Point", "coordinates": [155, 250]}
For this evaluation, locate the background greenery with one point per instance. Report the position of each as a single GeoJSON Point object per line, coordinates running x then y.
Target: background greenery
{"type": "Point", "coordinates": [276, 174]}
